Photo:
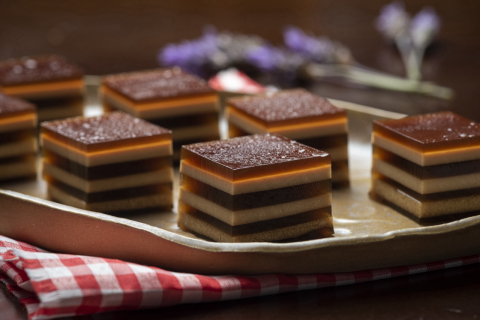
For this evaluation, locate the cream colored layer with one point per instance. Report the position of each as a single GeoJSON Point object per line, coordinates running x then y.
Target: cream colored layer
{"type": "Point", "coordinates": [114, 155]}
{"type": "Point", "coordinates": [427, 158]}
{"type": "Point", "coordinates": [337, 153]}
{"type": "Point", "coordinates": [235, 218]}
{"type": "Point", "coordinates": [425, 210]}
{"type": "Point", "coordinates": [262, 183]}
{"type": "Point", "coordinates": [426, 186]}
{"type": "Point", "coordinates": [196, 132]}
{"type": "Point", "coordinates": [188, 223]}
{"type": "Point", "coordinates": [46, 90]}
{"type": "Point", "coordinates": [60, 112]}
{"type": "Point", "coordinates": [122, 182]}
{"type": "Point", "coordinates": [163, 107]}
{"type": "Point", "coordinates": [150, 201]}
{"type": "Point", "coordinates": [26, 121]}
{"type": "Point", "coordinates": [302, 131]}
{"type": "Point", "coordinates": [18, 169]}
{"type": "Point", "coordinates": [18, 148]}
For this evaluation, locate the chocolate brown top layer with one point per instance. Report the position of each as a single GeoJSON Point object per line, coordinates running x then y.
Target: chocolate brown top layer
{"type": "Point", "coordinates": [109, 127]}
{"type": "Point", "coordinates": [433, 129]}
{"type": "Point", "coordinates": [254, 151]}
{"type": "Point", "coordinates": [28, 70]}
{"type": "Point", "coordinates": [156, 84]}
{"type": "Point", "coordinates": [285, 105]}
{"type": "Point", "coordinates": [11, 105]}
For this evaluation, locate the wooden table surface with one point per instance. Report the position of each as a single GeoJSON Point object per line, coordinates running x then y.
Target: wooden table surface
{"type": "Point", "coordinates": [115, 36]}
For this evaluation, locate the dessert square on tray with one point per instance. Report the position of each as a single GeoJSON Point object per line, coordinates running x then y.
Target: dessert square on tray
{"type": "Point", "coordinates": [299, 115]}
{"type": "Point", "coordinates": [109, 163]}
{"type": "Point", "coordinates": [428, 165]}
{"type": "Point", "coordinates": [255, 188]}
{"type": "Point", "coordinates": [18, 141]}
{"type": "Point", "coordinates": [171, 98]}
{"type": "Point", "coordinates": [52, 83]}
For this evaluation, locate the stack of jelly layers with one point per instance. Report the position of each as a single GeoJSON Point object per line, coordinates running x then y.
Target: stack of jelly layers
{"type": "Point", "coordinates": [428, 165]}
{"type": "Point", "coordinates": [255, 188]}
{"type": "Point", "coordinates": [171, 98]}
{"type": "Point", "coordinates": [299, 115]}
{"type": "Point", "coordinates": [109, 163]}
{"type": "Point", "coordinates": [18, 142]}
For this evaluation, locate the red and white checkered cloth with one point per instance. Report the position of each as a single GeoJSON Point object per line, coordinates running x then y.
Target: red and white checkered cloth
{"type": "Point", "coordinates": [58, 285]}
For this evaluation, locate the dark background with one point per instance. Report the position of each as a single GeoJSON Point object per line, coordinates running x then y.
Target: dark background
{"type": "Point", "coordinates": [114, 36]}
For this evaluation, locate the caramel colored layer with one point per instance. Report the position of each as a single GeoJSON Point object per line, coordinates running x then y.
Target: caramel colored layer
{"type": "Point", "coordinates": [425, 206]}
{"type": "Point", "coordinates": [109, 170]}
{"type": "Point", "coordinates": [46, 90]}
{"type": "Point", "coordinates": [18, 148]}
{"type": "Point", "coordinates": [428, 158]}
{"type": "Point", "coordinates": [197, 104]}
{"type": "Point", "coordinates": [293, 131]}
{"type": "Point", "coordinates": [136, 203]}
{"type": "Point", "coordinates": [255, 199]}
{"type": "Point", "coordinates": [121, 182]}
{"type": "Point", "coordinates": [261, 183]}
{"type": "Point", "coordinates": [18, 168]}
{"type": "Point", "coordinates": [114, 155]}
{"type": "Point", "coordinates": [18, 122]}
{"type": "Point", "coordinates": [190, 219]}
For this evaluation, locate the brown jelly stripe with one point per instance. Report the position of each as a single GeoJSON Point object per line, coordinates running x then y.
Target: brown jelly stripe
{"type": "Point", "coordinates": [257, 227]}
{"type": "Point", "coordinates": [16, 159]}
{"type": "Point", "coordinates": [109, 170]}
{"type": "Point", "coordinates": [255, 199]}
{"type": "Point", "coordinates": [431, 197]}
{"type": "Point", "coordinates": [427, 172]}
{"type": "Point", "coordinates": [14, 136]}
{"type": "Point", "coordinates": [58, 102]}
{"type": "Point", "coordinates": [251, 172]}
{"type": "Point", "coordinates": [111, 195]}
{"type": "Point", "coordinates": [186, 121]}
{"type": "Point", "coordinates": [339, 165]}
{"type": "Point", "coordinates": [327, 142]}
{"type": "Point", "coordinates": [424, 147]}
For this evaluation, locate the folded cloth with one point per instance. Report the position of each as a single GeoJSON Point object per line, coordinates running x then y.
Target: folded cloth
{"type": "Point", "coordinates": [52, 285]}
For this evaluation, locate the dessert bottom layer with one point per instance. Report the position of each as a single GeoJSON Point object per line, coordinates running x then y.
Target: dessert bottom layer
{"type": "Point", "coordinates": [152, 196]}
{"type": "Point", "coordinates": [19, 167]}
{"type": "Point", "coordinates": [198, 222]}
{"type": "Point", "coordinates": [426, 205]}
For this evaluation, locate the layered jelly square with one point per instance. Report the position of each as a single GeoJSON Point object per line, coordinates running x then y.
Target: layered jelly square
{"type": "Point", "coordinates": [171, 98]}
{"type": "Point", "coordinates": [18, 142]}
{"type": "Point", "coordinates": [299, 115]}
{"type": "Point", "coordinates": [52, 83]}
{"type": "Point", "coordinates": [109, 163]}
{"type": "Point", "coordinates": [255, 188]}
{"type": "Point", "coordinates": [428, 165]}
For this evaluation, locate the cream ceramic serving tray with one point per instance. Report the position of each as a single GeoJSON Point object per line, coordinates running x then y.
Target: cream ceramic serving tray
{"type": "Point", "coordinates": [367, 234]}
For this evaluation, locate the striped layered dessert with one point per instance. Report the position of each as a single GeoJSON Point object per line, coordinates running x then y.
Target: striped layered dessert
{"type": "Point", "coordinates": [299, 115]}
{"type": "Point", "coordinates": [109, 163]}
{"type": "Point", "coordinates": [255, 188]}
{"type": "Point", "coordinates": [428, 165]}
{"type": "Point", "coordinates": [18, 142]}
{"type": "Point", "coordinates": [52, 83]}
{"type": "Point", "coordinates": [171, 98]}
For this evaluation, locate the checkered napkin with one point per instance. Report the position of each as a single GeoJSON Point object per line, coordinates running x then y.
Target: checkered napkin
{"type": "Point", "coordinates": [58, 285]}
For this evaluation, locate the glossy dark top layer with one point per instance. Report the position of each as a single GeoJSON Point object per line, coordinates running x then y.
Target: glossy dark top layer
{"type": "Point", "coordinates": [9, 105]}
{"type": "Point", "coordinates": [37, 69]}
{"type": "Point", "coordinates": [156, 84]}
{"type": "Point", "coordinates": [109, 127]}
{"type": "Point", "coordinates": [253, 151]}
{"type": "Point", "coordinates": [433, 128]}
{"type": "Point", "coordinates": [285, 105]}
